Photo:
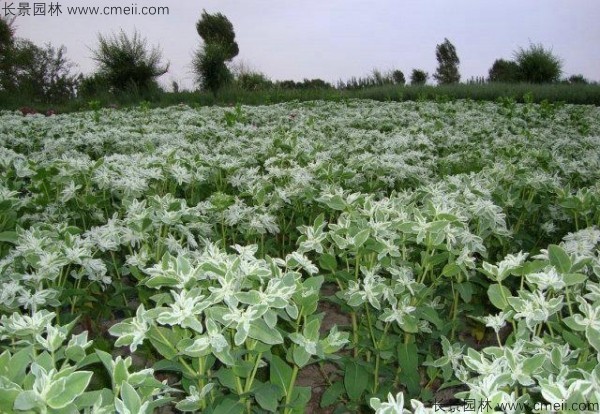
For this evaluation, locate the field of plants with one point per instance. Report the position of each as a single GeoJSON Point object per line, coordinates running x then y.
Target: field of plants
{"type": "Point", "coordinates": [326, 257]}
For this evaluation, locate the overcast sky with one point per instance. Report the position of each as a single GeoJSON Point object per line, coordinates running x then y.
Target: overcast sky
{"type": "Point", "coordinates": [337, 39]}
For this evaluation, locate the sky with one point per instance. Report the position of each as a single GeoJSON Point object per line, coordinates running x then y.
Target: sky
{"type": "Point", "coordinates": [335, 39]}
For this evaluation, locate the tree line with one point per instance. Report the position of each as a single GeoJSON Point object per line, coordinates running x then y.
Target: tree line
{"type": "Point", "coordinates": [126, 63]}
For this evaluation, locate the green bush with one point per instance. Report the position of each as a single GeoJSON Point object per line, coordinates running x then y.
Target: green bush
{"type": "Point", "coordinates": [538, 65]}
{"type": "Point", "coordinates": [126, 62]}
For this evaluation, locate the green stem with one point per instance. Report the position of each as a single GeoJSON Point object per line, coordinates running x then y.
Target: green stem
{"type": "Point", "coordinates": [354, 333]}
{"type": "Point", "coordinates": [290, 390]}
{"type": "Point", "coordinates": [250, 379]}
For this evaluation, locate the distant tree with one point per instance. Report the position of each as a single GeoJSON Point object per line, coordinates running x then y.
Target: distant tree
{"type": "Point", "coordinates": [538, 65]}
{"type": "Point", "coordinates": [476, 80]}
{"type": "Point", "coordinates": [398, 77]}
{"type": "Point", "coordinates": [217, 29]}
{"type": "Point", "coordinates": [447, 70]}
{"type": "Point", "coordinates": [92, 85]}
{"type": "Point", "coordinates": [7, 41]}
{"type": "Point", "coordinates": [578, 79]}
{"type": "Point", "coordinates": [127, 62]}
{"type": "Point", "coordinates": [418, 77]}
{"type": "Point", "coordinates": [286, 84]}
{"type": "Point", "coordinates": [219, 47]}
{"type": "Point", "coordinates": [315, 84]}
{"type": "Point", "coordinates": [7, 34]}
{"type": "Point", "coordinates": [211, 71]}
{"type": "Point", "coordinates": [43, 72]}
{"type": "Point", "coordinates": [505, 71]}
{"type": "Point", "coordinates": [253, 81]}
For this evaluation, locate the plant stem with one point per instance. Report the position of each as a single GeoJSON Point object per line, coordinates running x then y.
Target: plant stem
{"type": "Point", "coordinates": [290, 390]}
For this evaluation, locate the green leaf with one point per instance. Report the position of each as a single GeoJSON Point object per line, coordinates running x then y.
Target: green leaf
{"type": "Point", "coordinates": [451, 269]}
{"type": "Point", "coordinates": [229, 406]}
{"type": "Point", "coordinates": [571, 279]}
{"type": "Point", "coordinates": [465, 290]}
{"type": "Point", "coordinates": [8, 397]}
{"type": "Point", "coordinates": [530, 365]}
{"type": "Point", "coordinates": [88, 399]}
{"type": "Point", "coordinates": [408, 361]}
{"type": "Point", "coordinates": [130, 398]}
{"type": "Point", "coordinates": [280, 372]}
{"type": "Point", "coordinates": [27, 400]}
{"type": "Point", "coordinates": [259, 330]}
{"type": "Point", "coordinates": [106, 360]}
{"type": "Point", "coordinates": [356, 380]}
{"type": "Point", "coordinates": [574, 340]}
{"type": "Point", "coordinates": [74, 385]}
{"type": "Point", "coordinates": [496, 296]}
{"type": "Point", "coordinates": [165, 365]}
{"type": "Point", "coordinates": [336, 203]}
{"type": "Point", "coordinates": [328, 262]}
{"type": "Point", "coordinates": [9, 237]}
{"type": "Point", "coordinates": [593, 337]}
{"type": "Point", "coordinates": [361, 237]}
{"type": "Point", "coordinates": [18, 365]}
{"type": "Point", "coordinates": [227, 378]}
{"type": "Point", "coordinates": [301, 357]}
{"type": "Point", "coordinates": [300, 397]}
{"type": "Point", "coordinates": [559, 258]}
{"type": "Point", "coordinates": [267, 396]}
{"type": "Point", "coordinates": [410, 324]}
{"type": "Point", "coordinates": [164, 341]}
{"type": "Point", "coordinates": [571, 323]}
{"type": "Point", "coordinates": [332, 394]}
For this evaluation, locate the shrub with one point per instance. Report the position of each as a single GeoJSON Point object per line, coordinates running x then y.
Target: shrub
{"type": "Point", "coordinates": [538, 65]}
{"type": "Point", "coordinates": [127, 63]}
{"type": "Point", "coordinates": [505, 71]}
{"type": "Point", "coordinates": [418, 77]}
{"type": "Point", "coordinates": [398, 77]}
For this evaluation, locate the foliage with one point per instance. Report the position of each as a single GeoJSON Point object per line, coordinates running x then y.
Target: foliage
{"type": "Point", "coordinates": [447, 70]}
{"type": "Point", "coordinates": [92, 85]}
{"type": "Point", "coordinates": [398, 77]}
{"type": "Point", "coordinates": [400, 249]}
{"type": "Point", "coordinates": [377, 78]}
{"type": "Point", "coordinates": [211, 70]}
{"type": "Point", "coordinates": [418, 77]}
{"type": "Point", "coordinates": [43, 74]}
{"type": "Point", "coordinates": [506, 71]}
{"type": "Point", "coordinates": [252, 81]}
{"type": "Point", "coordinates": [7, 33]}
{"type": "Point", "coordinates": [217, 29]}
{"type": "Point", "coordinates": [219, 47]}
{"type": "Point", "coordinates": [578, 79]}
{"type": "Point", "coordinates": [538, 64]}
{"type": "Point", "coordinates": [126, 62]}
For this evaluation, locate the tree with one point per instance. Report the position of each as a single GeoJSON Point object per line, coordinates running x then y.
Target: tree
{"type": "Point", "coordinates": [6, 48]}
{"type": "Point", "coordinates": [219, 47]}
{"type": "Point", "coordinates": [504, 71]}
{"type": "Point", "coordinates": [447, 70]}
{"type": "Point", "coordinates": [217, 29]}
{"type": "Point", "coordinates": [418, 77]}
{"type": "Point", "coordinates": [211, 70]}
{"type": "Point", "coordinates": [578, 79]}
{"type": "Point", "coordinates": [6, 34]}
{"type": "Point", "coordinates": [398, 77]}
{"type": "Point", "coordinates": [127, 62]}
{"type": "Point", "coordinates": [538, 65]}
{"type": "Point", "coordinates": [43, 73]}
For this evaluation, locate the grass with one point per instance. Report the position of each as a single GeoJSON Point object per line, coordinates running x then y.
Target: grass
{"type": "Point", "coordinates": [572, 94]}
